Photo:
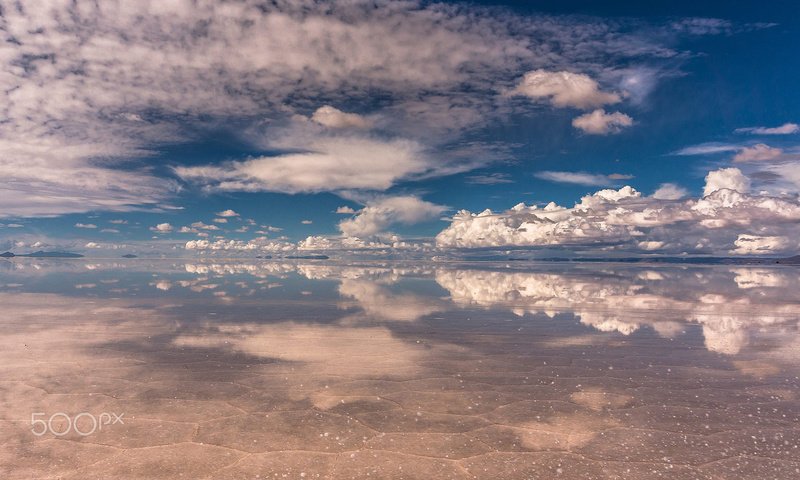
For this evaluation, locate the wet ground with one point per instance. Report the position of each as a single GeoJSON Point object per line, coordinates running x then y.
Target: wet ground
{"type": "Point", "coordinates": [170, 369]}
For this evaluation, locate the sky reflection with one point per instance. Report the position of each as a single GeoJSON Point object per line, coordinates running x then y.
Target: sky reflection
{"type": "Point", "coordinates": [477, 369]}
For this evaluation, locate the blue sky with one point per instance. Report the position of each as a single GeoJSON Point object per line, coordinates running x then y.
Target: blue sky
{"type": "Point", "coordinates": [125, 124]}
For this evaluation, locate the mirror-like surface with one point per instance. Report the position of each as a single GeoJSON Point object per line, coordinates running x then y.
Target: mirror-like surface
{"type": "Point", "coordinates": [267, 370]}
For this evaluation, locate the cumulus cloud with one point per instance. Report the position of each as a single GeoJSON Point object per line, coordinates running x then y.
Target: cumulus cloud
{"type": "Point", "coordinates": [162, 228]}
{"type": "Point", "coordinates": [564, 89]}
{"type": "Point", "coordinates": [85, 225]}
{"type": "Point", "coordinates": [204, 226]}
{"type": "Point", "coordinates": [381, 213]}
{"type": "Point", "coordinates": [345, 210]}
{"type": "Point", "coordinates": [334, 118]}
{"type": "Point", "coordinates": [256, 244]}
{"type": "Point", "coordinates": [724, 221]}
{"type": "Point", "coordinates": [670, 191]}
{"type": "Point", "coordinates": [307, 222]}
{"type": "Point", "coordinates": [785, 129]}
{"type": "Point", "coordinates": [726, 178]}
{"type": "Point", "coordinates": [227, 213]}
{"type": "Point", "coordinates": [755, 244]}
{"type": "Point", "coordinates": [599, 122]}
{"type": "Point", "coordinates": [583, 178]}
{"type": "Point", "coordinates": [758, 153]}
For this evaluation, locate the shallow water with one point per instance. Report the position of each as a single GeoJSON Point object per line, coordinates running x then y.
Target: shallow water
{"type": "Point", "coordinates": [170, 369]}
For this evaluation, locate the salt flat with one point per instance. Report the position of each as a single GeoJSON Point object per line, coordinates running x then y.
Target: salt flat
{"type": "Point", "coordinates": [387, 370]}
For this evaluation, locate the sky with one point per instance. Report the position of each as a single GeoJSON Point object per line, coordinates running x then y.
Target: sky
{"type": "Point", "coordinates": [248, 127]}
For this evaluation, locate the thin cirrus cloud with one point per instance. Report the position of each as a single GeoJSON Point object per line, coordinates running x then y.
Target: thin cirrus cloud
{"type": "Point", "coordinates": [708, 148]}
{"type": "Point", "coordinates": [495, 178]}
{"type": "Point", "coordinates": [583, 178]}
{"type": "Point", "coordinates": [785, 129]}
{"type": "Point", "coordinates": [76, 109]}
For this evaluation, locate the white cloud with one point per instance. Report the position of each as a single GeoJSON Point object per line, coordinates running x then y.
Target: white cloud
{"type": "Point", "coordinates": [731, 307]}
{"type": "Point", "coordinates": [220, 220]}
{"type": "Point", "coordinates": [670, 191]}
{"type": "Point", "coordinates": [758, 153]}
{"type": "Point", "coordinates": [755, 244]}
{"type": "Point", "coordinates": [256, 244]}
{"type": "Point", "coordinates": [564, 89]}
{"type": "Point", "coordinates": [118, 222]}
{"type": "Point", "coordinates": [334, 118]}
{"type": "Point", "coordinates": [345, 210]}
{"type": "Point", "coordinates": [85, 225]}
{"type": "Point", "coordinates": [383, 212]}
{"type": "Point", "coordinates": [599, 122]}
{"type": "Point", "coordinates": [730, 178]}
{"type": "Point", "coordinates": [785, 129]}
{"type": "Point", "coordinates": [624, 219]}
{"type": "Point", "coordinates": [204, 226]}
{"type": "Point", "coordinates": [162, 228]}
{"type": "Point", "coordinates": [227, 213]}
{"type": "Point", "coordinates": [583, 178]}
{"type": "Point", "coordinates": [306, 222]}
{"type": "Point", "coordinates": [76, 110]}
{"type": "Point", "coordinates": [333, 163]}
{"type": "Point", "coordinates": [707, 149]}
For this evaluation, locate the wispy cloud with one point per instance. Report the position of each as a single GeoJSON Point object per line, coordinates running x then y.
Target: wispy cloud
{"type": "Point", "coordinates": [708, 148]}
{"type": "Point", "coordinates": [785, 129]}
{"type": "Point", "coordinates": [583, 178]}
{"type": "Point", "coordinates": [489, 179]}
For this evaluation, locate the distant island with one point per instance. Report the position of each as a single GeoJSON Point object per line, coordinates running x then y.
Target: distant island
{"type": "Point", "coordinates": [43, 254]}
{"type": "Point", "coordinates": [129, 255]}
{"type": "Point", "coordinates": [789, 261]}
{"type": "Point", "coordinates": [307, 257]}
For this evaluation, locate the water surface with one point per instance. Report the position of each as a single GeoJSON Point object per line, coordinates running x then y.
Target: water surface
{"type": "Point", "coordinates": [316, 370]}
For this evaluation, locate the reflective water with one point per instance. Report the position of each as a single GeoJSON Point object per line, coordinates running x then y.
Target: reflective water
{"type": "Point", "coordinates": [166, 369]}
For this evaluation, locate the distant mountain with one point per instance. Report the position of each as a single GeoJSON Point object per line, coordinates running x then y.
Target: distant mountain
{"type": "Point", "coordinates": [43, 254]}
{"type": "Point", "coordinates": [7, 255]}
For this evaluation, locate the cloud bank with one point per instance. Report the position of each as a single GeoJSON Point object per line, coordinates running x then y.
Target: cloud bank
{"type": "Point", "coordinates": [728, 219]}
